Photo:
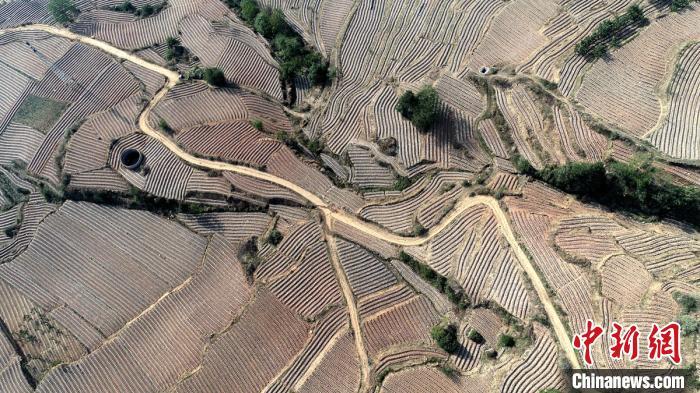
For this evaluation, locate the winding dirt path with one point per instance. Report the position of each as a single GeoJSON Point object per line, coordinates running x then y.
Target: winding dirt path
{"type": "Point", "coordinates": [331, 214]}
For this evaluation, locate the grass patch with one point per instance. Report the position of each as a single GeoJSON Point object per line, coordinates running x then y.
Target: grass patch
{"type": "Point", "coordinates": [39, 113]}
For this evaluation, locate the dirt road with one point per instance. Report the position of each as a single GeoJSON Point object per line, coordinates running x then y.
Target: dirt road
{"type": "Point", "coordinates": [352, 309]}
{"type": "Point", "coordinates": [331, 214]}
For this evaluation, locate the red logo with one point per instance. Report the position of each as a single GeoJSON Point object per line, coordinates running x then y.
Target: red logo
{"type": "Point", "coordinates": [662, 342]}
{"type": "Point", "coordinates": [627, 344]}
{"type": "Point", "coordinates": [585, 340]}
{"type": "Point", "coordinates": [665, 342]}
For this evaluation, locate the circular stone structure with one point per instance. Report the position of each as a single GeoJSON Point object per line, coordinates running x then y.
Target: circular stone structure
{"type": "Point", "coordinates": [131, 159]}
{"type": "Point", "coordinates": [485, 70]}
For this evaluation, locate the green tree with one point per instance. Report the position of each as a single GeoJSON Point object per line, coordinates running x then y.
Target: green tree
{"type": "Point", "coordinates": [406, 104]}
{"type": "Point", "coordinates": [688, 303]}
{"type": "Point", "coordinates": [275, 237]}
{"type": "Point", "coordinates": [172, 41]}
{"type": "Point", "coordinates": [445, 337]}
{"type": "Point", "coordinates": [679, 5]}
{"type": "Point", "coordinates": [63, 11]}
{"type": "Point", "coordinates": [317, 68]}
{"type": "Point", "coordinates": [214, 77]}
{"type": "Point", "coordinates": [476, 337]}
{"type": "Point", "coordinates": [402, 183]}
{"type": "Point", "coordinates": [146, 11]}
{"type": "Point", "coordinates": [287, 47]}
{"type": "Point", "coordinates": [421, 109]}
{"type": "Point", "coordinates": [263, 24]}
{"type": "Point", "coordinates": [579, 178]}
{"type": "Point", "coordinates": [427, 110]}
{"type": "Point", "coordinates": [278, 23]}
{"type": "Point", "coordinates": [249, 10]}
{"type": "Point", "coordinates": [506, 341]}
{"type": "Point", "coordinates": [258, 124]}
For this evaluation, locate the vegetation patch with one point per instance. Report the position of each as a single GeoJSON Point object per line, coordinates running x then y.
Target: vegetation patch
{"type": "Point", "coordinates": [141, 12]}
{"type": "Point", "coordinates": [610, 31]}
{"type": "Point", "coordinates": [248, 255]}
{"type": "Point", "coordinates": [175, 52]}
{"type": "Point", "coordinates": [13, 195]}
{"type": "Point", "coordinates": [421, 108]}
{"type": "Point", "coordinates": [274, 237]}
{"type": "Point", "coordinates": [452, 290]}
{"type": "Point", "coordinates": [212, 75]}
{"type": "Point", "coordinates": [39, 113]}
{"type": "Point", "coordinates": [300, 143]}
{"type": "Point", "coordinates": [506, 341]}
{"type": "Point", "coordinates": [638, 189]}
{"type": "Point", "coordinates": [63, 11]}
{"type": "Point", "coordinates": [402, 183]}
{"type": "Point", "coordinates": [688, 316]}
{"type": "Point", "coordinates": [446, 337]}
{"type": "Point", "coordinates": [476, 337]}
{"type": "Point", "coordinates": [165, 127]}
{"type": "Point", "coordinates": [296, 59]}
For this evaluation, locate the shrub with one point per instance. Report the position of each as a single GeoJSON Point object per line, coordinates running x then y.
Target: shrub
{"type": "Point", "coordinates": [689, 325]}
{"type": "Point", "coordinates": [522, 165]}
{"type": "Point", "coordinates": [679, 5]}
{"type": "Point", "coordinates": [11, 231]}
{"type": "Point", "coordinates": [445, 337]}
{"type": "Point", "coordinates": [63, 11]}
{"type": "Point", "coordinates": [172, 41]}
{"type": "Point", "coordinates": [295, 58]}
{"type": "Point", "coordinates": [688, 303]}
{"type": "Point", "coordinates": [421, 109]}
{"type": "Point", "coordinates": [258, 124]}
{"type": "Point", "coordinates": [315, 146]}
{"type": "Point", "coordinates": [125, 7]}
{"type": "Point", "coordinates": [275, 237]}
{"type": "Point", "coordinates": [146, 11]}
{"type": "Point", "coordinates": [419, 230]}
{"type": "Point", "coordinates": [476, 337]}
{"type": "Point", "coordinates": [506, 341]}
{"type": "Point", "coordinates": [165, 127]}
{"type": "Point", "coordinates": [214, 77]}
{"type": "Point", "coordinates": [401, 183]}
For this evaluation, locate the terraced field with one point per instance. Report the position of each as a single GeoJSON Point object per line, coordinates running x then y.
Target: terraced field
{"type": "Point", "coordinates": [273, 233]}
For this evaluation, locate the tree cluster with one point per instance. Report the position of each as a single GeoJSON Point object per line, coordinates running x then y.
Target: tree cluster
{"type": "Point", "coordinates": [422, 109]}
{"type": "Point", "coordinates": [274, 237]}
{"type": "Point", "coordinates": [446, 337]}
{"type": "Point", "coordinates": [596, 44]}
{"type": "Point", "coordinates": [687, 318]}
{"type": "Point", "coordinates": [143, 12]}
{"type": "Point", "coordinates": [294, 56]}
{"type": "Point", "coordinates": [63, 11]}
{"type": "Point", "coordinates": [212, 75]}
{"type": "Point", "coordinates": [175, 51]}
{"type": "Point", "coordinates": [454, 293]}
{"type": "Point", "coordinates": [618, 185]}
